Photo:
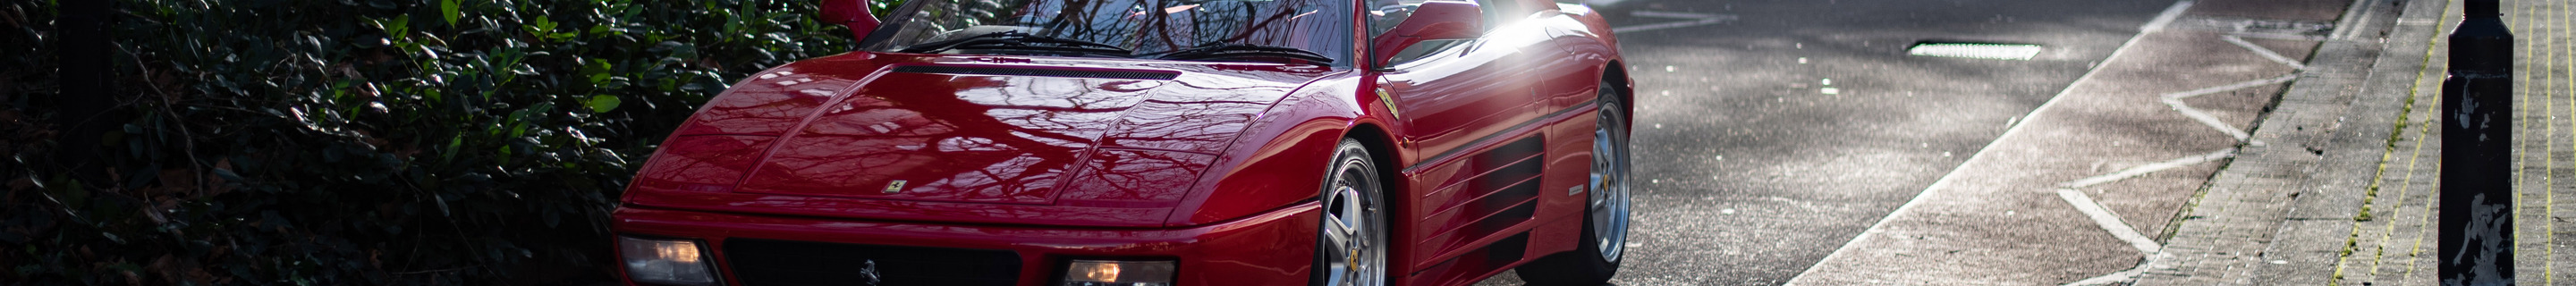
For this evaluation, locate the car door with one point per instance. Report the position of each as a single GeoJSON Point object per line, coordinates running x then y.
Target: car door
{"type": "Point", "coordinates": [1450, 93]}
{"type": "Point", "coordinates": [1567, 79]}
{"type": "Point", "coordinates": [1462, 103]}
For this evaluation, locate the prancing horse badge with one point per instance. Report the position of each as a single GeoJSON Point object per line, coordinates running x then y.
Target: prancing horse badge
{"type": "Point", "coordinates": [895, 187]}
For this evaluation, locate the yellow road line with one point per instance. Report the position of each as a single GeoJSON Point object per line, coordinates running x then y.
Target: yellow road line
{"type": "Point", "coordinates": [2522, 201]}
{"type": "Point", "coordinates": [2397, 205]}
{"type": "Point", "coordinates": [2522, 92]}
{"type": "Point", "coordinates": [2352, 244]}
{"type": "Point", "coordinates": [2549, 197]}
{"type": "Point", "coordinates": [2418, 249]}
{"type": "Point", "coordinates": [2405, 188]}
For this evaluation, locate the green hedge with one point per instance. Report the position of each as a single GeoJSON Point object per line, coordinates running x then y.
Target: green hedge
{"type": "Point", "coordinates": [362, 142]}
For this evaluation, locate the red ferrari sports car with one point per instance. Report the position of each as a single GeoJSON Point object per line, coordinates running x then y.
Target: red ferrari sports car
{"type": "Point", "coordinates": [1155, 142]}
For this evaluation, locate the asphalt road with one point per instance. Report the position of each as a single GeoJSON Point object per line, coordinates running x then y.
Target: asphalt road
{"type": "Point", "coordinates": [1773, 132]}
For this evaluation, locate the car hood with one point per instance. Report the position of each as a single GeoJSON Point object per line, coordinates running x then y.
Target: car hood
{"type": "Point", "coordinates": [979, 130]}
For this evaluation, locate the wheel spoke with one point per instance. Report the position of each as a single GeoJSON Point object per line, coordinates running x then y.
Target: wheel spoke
{"type": "Point", "coordinates": [1351, 247]}
{"type": "Point", "coordinates": [1608, 208]}
{"type": "Point", "coordinates": [1336, 234]}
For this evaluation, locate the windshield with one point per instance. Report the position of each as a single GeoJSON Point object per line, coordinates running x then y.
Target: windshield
{"type": "Point", "coordinates": [1137, 28]}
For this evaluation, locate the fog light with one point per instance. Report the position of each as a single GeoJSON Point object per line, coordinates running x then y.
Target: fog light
{"type": "Point", "coordinates": [665, 262]}
{"type": "Point", "coordinates": [1118, 273]}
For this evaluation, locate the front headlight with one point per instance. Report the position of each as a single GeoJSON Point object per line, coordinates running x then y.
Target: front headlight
{"type": "Point", "coordinates": [666, 262]}
{"type": "Point", "coordinates": [1118, 273]}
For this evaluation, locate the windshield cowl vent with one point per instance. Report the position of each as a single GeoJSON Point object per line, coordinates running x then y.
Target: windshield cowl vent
{"type": "Point", "coordinates": [1116, 74]}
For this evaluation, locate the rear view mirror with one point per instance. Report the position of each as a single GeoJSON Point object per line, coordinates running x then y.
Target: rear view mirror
{"type": "Point", "coordinates": [851, 13]}
{"type": "Point", "coordinates": [1433, 20]}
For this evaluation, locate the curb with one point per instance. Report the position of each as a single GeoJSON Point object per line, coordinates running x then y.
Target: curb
{"type": "Point", "coordinates": [2283, 213]}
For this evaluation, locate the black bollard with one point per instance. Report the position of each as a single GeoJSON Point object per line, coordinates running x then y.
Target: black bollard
{"type": "Point", "coordinates": [2477, 152]}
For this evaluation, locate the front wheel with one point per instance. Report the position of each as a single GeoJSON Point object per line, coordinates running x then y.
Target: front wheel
{"type": "Point", "coordinates": [1350, 245]}
{"type": "Point", "coordinates": [1605, 217]}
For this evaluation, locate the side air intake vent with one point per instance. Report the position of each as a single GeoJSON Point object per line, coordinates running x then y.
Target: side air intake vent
{"type": "Point", "coordinates": [1145, 75]}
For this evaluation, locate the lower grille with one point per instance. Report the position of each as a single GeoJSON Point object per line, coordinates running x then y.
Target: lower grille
{"type": "Point", "coordinates": [763, 262]}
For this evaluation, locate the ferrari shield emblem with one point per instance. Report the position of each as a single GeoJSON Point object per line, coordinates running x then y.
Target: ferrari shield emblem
{"type": "Point", "coordinates": [895, 187]}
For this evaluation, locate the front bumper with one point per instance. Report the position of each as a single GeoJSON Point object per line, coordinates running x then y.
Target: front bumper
{"type": "Point", "coordinates": [1271, 248]}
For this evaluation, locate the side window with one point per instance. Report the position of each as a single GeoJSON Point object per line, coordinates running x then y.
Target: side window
{"type": "Point", "coordinates": [1385, 14]}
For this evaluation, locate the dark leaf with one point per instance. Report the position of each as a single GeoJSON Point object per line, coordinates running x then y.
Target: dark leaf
{"type": "Point", "coordinates": [447, 9]}
{"type": "Point", "coordinates": [603, 103]}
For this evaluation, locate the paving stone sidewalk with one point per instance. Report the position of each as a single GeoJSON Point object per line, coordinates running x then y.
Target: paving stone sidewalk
{"type": "Point", "coordinates": [2342, 190]}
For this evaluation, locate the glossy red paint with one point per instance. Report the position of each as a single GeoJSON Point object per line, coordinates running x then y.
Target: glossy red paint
{"type": "Point", "coordinates": [1215, 164]}
{"type": "Point", "coordinates": [1251, 251]}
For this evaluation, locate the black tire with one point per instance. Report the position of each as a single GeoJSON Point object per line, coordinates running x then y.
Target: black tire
{"type": "Point", "coordinates": [1363, 203]}
{"type": "Point", "coordinates": [1589, 264]}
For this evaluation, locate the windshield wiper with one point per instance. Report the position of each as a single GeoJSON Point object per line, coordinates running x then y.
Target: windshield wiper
{"type": "Point", "coordinates": [1226, 50]}
{"type": "Point", "coordinates": [1018, 40]}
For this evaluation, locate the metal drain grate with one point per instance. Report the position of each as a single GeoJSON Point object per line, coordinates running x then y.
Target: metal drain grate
{"type": "Point", "coordinates": [1991, 51]}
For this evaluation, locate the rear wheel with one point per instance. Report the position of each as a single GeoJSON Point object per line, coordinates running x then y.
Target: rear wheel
{"type": "Point", "coordinates": [1605, 218]}
{"type": "Point", "coordinates": [1350, 245]}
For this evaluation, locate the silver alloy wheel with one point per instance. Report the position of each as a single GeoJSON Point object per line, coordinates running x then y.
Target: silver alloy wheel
{"type": "Point", "coordinates": [1610, 181]}
{"type": "Point", "coordinates": [1353, 246]}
